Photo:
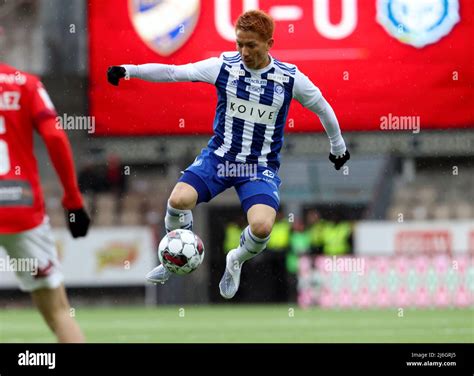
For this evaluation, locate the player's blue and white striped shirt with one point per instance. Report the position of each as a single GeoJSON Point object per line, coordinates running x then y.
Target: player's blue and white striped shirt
{"type": "Point", "coordinates": [251, 112]}
{"type": "Point", "coordinates": [252, 105]}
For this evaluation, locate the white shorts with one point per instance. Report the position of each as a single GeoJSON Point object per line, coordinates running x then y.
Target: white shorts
{"type": "Point", "coordinates": [36, 256]}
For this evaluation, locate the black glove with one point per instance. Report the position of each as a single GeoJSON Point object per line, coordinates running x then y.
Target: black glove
{"type": "Point", "coordinates": [78, 221]}
{"type": "Point", "coordinates": [340, 159]}
{"type": "Point", "coordinates": [115, 73]}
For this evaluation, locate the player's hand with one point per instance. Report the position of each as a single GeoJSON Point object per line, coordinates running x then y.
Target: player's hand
{"type": "Point", "coordinates": [339, 160]}
{"type": "Point", "coordinates": [78, 222]}
{"type": "Point", "coordinates": [115, 73]}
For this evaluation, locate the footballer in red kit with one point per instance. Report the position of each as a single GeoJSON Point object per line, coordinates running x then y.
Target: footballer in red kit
{"type": "Point", "coordinates": [25, 233]}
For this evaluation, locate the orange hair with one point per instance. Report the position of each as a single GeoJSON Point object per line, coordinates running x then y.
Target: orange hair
{"type": "Point", "coordinates": [258, 22]}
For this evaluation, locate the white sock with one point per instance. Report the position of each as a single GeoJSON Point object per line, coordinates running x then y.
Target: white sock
{"type": "Point", "coordinates": [250, 246]}
{"type": "Point", "coordinates": [178, 219]}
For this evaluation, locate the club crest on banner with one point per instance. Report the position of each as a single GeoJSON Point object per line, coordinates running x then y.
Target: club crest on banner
{"type": "Point", "coordinates": [418, 22]}
{"type": "Point", "coordinates": [164, 25]}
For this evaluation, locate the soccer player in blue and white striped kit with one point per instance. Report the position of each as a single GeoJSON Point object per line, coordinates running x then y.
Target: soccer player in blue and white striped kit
{"type": "Point", "coordinates": [254, 93]}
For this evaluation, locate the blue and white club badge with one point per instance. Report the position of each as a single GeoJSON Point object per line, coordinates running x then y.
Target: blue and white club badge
{"type": "Point", "coordinates": [279, 89]}
{"type": "Point", "coordinates": [164, 25]}
{"type": "Point", "coordinates": [418, 22]}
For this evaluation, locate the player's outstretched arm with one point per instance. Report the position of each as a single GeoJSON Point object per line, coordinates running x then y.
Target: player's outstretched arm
{"type": "Point", "coordinates": [60, 153]}
{"type": "Point", "coordinates": [310, 97]}
{"type": "Point", "coordinates": [202, 71]}
{"type": "Point", "coordinates": [339, 154]}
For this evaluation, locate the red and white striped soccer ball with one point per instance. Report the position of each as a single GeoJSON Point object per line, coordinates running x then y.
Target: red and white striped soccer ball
{"type": "Point", "coordinates": [181, 251]}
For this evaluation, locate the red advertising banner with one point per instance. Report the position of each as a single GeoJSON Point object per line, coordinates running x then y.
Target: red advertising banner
{"type": "Point", "coordinates": [429, 242]}
{"type": "Point", "coordinates": [382, 64]}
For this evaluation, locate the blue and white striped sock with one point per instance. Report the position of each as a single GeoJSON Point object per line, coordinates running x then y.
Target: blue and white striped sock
{"type": "Point", "coordinates": [178, 219]}
{"type": "Point", "coordinates": [250, 246]}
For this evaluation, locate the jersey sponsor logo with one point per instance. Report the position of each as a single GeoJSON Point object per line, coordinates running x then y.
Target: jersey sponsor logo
{"type": "Point", "coordinates": [234, 71]}
{"type": "Point", "coordinates": [164, 25]}
{"type": "Point", "coordinates": [16, 78]}
{"type": "Point", "coordinates": [280, 78]}
{"type": "Point", "coordinates": [418, 23]}
{"type": "Point", "coordinates": [255, 89]}
{"type": "Point", "coordinates": [10, 101]}
{"type": "Point", "coordinates": [255, 81]}
{"type": "Point", "coordinates": [253, 112]}
{"type": "Point", "coordinates": [15, 193]}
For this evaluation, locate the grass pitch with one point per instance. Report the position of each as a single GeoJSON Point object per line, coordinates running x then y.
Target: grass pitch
{"type": "Point", "coordinates": [248, 324]}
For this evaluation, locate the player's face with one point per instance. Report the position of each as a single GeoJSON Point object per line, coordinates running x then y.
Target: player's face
{"type": "Point", "coordinates": [253, 49]}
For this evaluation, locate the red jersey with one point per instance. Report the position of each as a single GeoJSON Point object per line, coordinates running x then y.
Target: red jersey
{"type": "Point", "coordinates": [25, 106]}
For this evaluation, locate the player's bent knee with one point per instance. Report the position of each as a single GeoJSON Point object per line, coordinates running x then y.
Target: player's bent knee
{"type": "Point", "coordinates": [261, 228]}
{"type": "Point", "coordinates": [183, 197]}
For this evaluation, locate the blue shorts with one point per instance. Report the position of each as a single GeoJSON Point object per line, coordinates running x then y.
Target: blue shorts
{"type": "Point", "coordinates": [210, 175]}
